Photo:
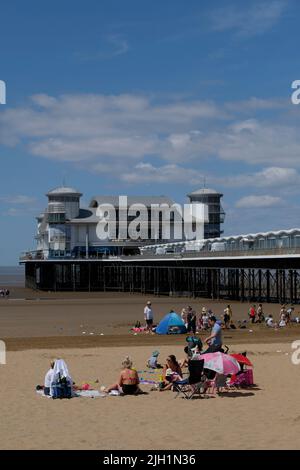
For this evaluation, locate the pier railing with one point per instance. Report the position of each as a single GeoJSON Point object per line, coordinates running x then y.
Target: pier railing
{"type": "Point", "coordinates": [38, 255]}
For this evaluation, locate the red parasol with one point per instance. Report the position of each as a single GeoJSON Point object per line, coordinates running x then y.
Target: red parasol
{"type": "Point", "coordinates": [242, 359]}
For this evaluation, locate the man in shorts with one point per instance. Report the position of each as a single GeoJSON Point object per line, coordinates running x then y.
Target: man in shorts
{"type": "Point", "coordinates": [148, 315]}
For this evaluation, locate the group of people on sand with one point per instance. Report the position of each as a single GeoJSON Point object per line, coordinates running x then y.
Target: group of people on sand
{"type": "Point", "coordinates": [193, 321]}
{"type": "Point", "coordinates": [4, 293]}
{"type": "Point", "coordinates": [196, 322]}
{"type": "Point", "coordinates": [128, 381]}
{"type": "Point", "coordinates": [257, 315]}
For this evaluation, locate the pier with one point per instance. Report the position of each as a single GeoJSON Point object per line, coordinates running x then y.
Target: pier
{"type": "Point", "coordinates": [268, 277]}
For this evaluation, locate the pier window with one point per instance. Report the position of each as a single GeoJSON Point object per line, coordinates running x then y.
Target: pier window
{"type": "Point", "coordinates": [284, 242]}
{"type": "Point", "coordinates": [296, 243]}
{"type": "Point", "coordinates": [271, 243]}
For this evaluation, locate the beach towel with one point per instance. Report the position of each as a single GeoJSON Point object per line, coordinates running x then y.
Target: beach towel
{"type": "Point", "coordinates": [79, 393]}
{"type": "Point", "coordinates": [142, 329]}
{"type": "Point", "coordinates": [90, 394]}
{"type": "Point", "coordinates": [60, 370]}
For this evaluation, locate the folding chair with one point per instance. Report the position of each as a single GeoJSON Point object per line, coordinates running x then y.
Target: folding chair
{"type": "Point", "coordinates": [219, 383]}
{"type": "Point", "coordinates": [194, 383]}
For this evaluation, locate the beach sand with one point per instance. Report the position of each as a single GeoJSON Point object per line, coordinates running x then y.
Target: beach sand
{"type": "Point", "coordinates": [48, 326]}
{"type": "Point", "coordinates": [267, 417]}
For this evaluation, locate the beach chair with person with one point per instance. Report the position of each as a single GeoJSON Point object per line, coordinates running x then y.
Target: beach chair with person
{"type": "Point", "coordinates": [194, 383]}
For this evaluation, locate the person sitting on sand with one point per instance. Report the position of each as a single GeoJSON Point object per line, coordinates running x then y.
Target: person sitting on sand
{"type": "Point", "coordinates": [283, 320]}
{"type": "Point", "coordinates": [269, 321]}
{"type": "Point", "coordinates": [184, 362]}
{"type": "Point", "coordinates": [152, 361]}
{"type": "Point", "coordinates": [171, 373]}
{"type": "Point", "coordinates": [49, 378]}
{"type": "Point", "coordinates": [128, 383]}
{"type": "Point", "coordinates": [190, 354]}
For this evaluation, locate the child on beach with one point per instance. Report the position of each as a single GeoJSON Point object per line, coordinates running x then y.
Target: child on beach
{"type": "Point", "coordinates": [152, 361]}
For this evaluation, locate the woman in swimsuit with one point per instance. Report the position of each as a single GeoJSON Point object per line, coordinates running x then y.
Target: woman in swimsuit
{"type": "Point", "coordinates": [128, 383]}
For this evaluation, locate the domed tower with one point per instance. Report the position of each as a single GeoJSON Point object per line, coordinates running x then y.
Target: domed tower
{"type": "Point", "coordinates": [63, 204]}
{"type": "Point", "coordinates": [216, 214]}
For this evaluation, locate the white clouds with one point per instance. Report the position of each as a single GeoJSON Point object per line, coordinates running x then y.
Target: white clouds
{"type": "Point", "coordinates": [258, 201]}
{"type": "Point", "coordinates": [19, 211]}
{"type": "Point", "coordinates": [105, 132]}
{"type": "Point", "coordinates": [271, 177]}
{"type": "Point", "coordinates": [88, 127]}
{"type": "Point", "coordinates": [17, 199]}
{"type": "Point", "coordinates": [148, 173]}
{"type": "Point", "coordinates": [17, 205]}
{"type": "Point", "coordinates": [255, 19]}
{"type": "Point", "coordinates": [79, 150]}
{"type": "Point", "coordinates": [254, 141]}
{"type": "Point", "coordinates": [274, 178]}
{"type": "Point", "coordinates": [256, 104]}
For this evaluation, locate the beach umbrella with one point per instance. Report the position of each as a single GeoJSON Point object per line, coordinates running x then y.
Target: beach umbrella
{"type": "Point", "coordinates": [221, 363]}
{"type": "Point", "coordinates": [242, 359]}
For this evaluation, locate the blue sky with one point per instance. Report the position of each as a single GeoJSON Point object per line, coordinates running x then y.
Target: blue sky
{"type": "Point", "coordinates": [136, 97]}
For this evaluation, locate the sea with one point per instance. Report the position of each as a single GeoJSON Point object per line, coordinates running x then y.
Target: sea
{"type": "Point", "coordinates": [13, 276]}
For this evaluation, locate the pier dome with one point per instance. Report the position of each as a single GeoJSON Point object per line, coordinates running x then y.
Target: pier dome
{"type": "Point", "coordinates": [63, 190]}
{"type": "Point", "coordinates": [65, 200]}
{"type": "Point", "coordinates": [203, 191]}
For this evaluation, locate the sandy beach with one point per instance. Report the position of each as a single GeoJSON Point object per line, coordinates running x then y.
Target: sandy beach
{"type": "Point", "coordinates": [38, 327]}
{"type": "Point", "coordinates": [266, 417]}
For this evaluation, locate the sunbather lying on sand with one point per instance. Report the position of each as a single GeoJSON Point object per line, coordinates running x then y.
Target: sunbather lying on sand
{"type": "Point", "coordinates": [128, 383]}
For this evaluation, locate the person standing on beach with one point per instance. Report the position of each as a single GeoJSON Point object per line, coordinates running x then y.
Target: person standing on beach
{"type": "Point", "coordinates": [148, 315]}
{"type": "Point", "coordinates": [184, 316]}
{"type": "Point", "coordinates": [289, 313]}
{"type": "Point", "coordinates": [191, 320]}
{"type": "Point", "coordinates": [214, 341]}
{"type": "Point", "coordinates": [227, 316]}
{"type": "Point", "coordinates": [260, 313]}
{"type": "Point", "coordinates": [252, 313]}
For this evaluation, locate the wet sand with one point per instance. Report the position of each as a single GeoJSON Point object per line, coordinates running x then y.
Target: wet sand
{"type": "Point", "coordinates": [35, 315]}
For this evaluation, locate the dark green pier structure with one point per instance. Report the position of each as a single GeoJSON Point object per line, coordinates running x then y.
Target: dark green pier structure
{"type": "Point", "coordinates": [265, 277]}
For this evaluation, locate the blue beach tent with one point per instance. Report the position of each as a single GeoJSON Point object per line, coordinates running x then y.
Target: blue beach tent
{"type": "Point", "coordinates": [170, 324]}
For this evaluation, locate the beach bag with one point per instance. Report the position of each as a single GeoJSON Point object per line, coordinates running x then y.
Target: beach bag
{"type": "Point", "coordinates": [244, 379]}
{"type": "Point", "coordinates": [61, 388]}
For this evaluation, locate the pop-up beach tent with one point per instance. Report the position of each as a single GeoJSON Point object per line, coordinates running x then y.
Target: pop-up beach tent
{"type": "Point", "coordinates": [170, 324]}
